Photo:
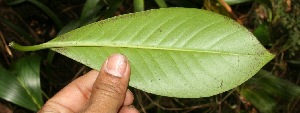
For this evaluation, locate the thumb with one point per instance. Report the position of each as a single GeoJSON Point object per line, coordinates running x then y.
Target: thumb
{"type": "Point", "coordinates": [109, 89]}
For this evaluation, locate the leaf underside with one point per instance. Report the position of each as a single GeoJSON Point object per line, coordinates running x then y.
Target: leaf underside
{"type": "Point", "coordinates": [175, 52]}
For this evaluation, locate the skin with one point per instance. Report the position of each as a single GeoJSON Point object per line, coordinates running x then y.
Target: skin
{"type": "Point", "coordinates": [96, 92]}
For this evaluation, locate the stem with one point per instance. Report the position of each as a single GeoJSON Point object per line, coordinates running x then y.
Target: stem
{"type": "Point", "coordinates": [161, 3]}
{"type": "Point", "coordinates": [228, 8]}
{"type": "Point", "coordinates": [138, 5]}
{"type": "Point", "coordinates": [27, 48]}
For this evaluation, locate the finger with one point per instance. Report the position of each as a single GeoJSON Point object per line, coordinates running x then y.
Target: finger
{"type": "Point", "coordinates": [128, 98]}
{"type": "Point", "coordinates": [73, 97]}
{"type": "Point", "coordinates": [128, 109]}
{"type": "Point", "coordinates": [110, 87]}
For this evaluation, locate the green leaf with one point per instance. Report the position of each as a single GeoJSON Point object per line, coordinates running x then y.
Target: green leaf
{"type": "Point", "coordinates": [21, 84]}
{"type": "Point", "coordinates": [88, 15]}
{"type": "Point", "coordinates": [264, 103]}
{"type": "Point", "coordinates": [90, 9]}
{"type": "Point", "coordinates": [275, 86]}
{"type": "Point", "coordinates": [113, 6]}
{"type": "Point", "coordinates": [176, 52]}
{"type": "Point", "coordinates": [264, 89]}
{"type": "Point", "coordinates": [262, 33]}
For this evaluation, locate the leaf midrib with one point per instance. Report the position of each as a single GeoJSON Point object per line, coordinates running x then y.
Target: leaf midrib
{"type": "Point", "coordinates": [75, 44]}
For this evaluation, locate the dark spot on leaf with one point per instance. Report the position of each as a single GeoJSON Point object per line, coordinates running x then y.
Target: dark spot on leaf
{"type": "Point", "coordinates": [64, 36]}
{"type": "Point", "coordinates": [60, 50]}
{"type": "Point", "coordinates": [221, 85]}
{"type": "Point", "coordinates": [159, 30]}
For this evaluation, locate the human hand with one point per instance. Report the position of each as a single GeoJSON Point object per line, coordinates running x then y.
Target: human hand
{"type": "Point", "coordinates": [97, 92]}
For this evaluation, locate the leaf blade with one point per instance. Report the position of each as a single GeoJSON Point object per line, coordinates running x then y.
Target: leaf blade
{"type": "Point", "coordinates": [186, 53]}
{"type": "Point", "coordinates": [158, 63]}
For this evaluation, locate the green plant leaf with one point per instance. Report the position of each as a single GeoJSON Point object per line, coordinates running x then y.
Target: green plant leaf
{"type": "Point", "coordinates": [262, 34]}
{"type": "Point", "coordinates": [264, 103]}
{"type": "Point", "coordinates": [264, 89]}
{"type": "Point", "coordinates": [275, 86]}
{"type": "Point", "coordinates": [176, 52]}
{"type": "Point", "coordinates": [21, 84]}
{"type": "Point", "coordinates": [90, 9]}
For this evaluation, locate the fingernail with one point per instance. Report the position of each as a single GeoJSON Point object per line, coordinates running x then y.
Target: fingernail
{"type": "Point", "coordinates": [116, 65]}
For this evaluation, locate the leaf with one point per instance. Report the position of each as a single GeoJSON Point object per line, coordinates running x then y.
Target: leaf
{"type": "Point", "coordinates": [90, 9]}
{"type": "Point", "coordinates": [272, 85]}
{"type": "Point", "coordinates": [21, 84]}
{"type": "Point", "coordinates": [264, 89]}
{"type": "Point", "coordinates": [264, 103]}
{"type": "Point", "coordinates": [175, 52]}
{"type": "Point", "coordinates": [263, 34]}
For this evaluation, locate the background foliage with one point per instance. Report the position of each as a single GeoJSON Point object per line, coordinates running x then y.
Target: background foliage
{"type": "Point", "coordinates": [275, 23]}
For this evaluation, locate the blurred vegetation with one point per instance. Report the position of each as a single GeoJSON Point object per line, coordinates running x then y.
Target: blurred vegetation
{"type": "Point", "coordinates": [276, 24]}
